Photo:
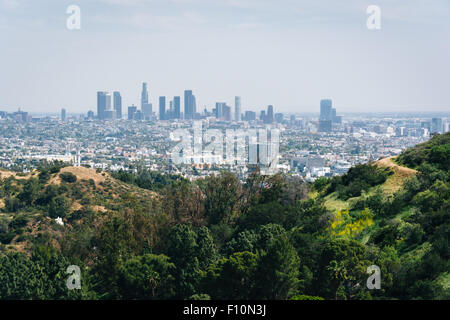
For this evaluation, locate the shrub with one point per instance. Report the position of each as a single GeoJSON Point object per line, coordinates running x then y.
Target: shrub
{"type": "Point", "coordinates": [68, 177]}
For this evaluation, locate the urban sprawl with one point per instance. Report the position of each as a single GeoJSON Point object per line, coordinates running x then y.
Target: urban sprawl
{"type": "Point", "coordinates": [309, 145]}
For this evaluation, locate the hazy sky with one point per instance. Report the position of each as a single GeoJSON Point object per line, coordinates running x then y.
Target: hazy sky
{"type": "Point", "coordinates": [288, 53]}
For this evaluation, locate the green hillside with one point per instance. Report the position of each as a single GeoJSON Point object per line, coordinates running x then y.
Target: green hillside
{"type": "Point", "coordinates": [148, 236]}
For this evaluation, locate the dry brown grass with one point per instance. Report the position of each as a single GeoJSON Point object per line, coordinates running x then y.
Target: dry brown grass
{"type": "Point", "coordinates": [99, 208]}
{"type": "Point", "coordinates": [401, 171]}
{"type": "Point", "coordinates": [81, 173]}
{"type": "Point", "coordinates": [395, 181]}
{"type": "Point", "coordinates": [6, 174]}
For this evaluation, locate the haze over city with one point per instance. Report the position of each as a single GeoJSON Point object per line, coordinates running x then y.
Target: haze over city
{"type": "Point", "coordinates": [290, 54]}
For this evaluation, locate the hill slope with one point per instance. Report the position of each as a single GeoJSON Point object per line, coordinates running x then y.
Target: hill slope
{"type": "Point", "coordinates": [216, 238]}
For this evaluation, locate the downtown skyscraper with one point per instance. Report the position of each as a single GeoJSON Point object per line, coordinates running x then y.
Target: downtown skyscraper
{"type": "Point", "coordinates": [269, 116]}
{"type": "Point", "coordinates": [177, 107]}
{"type": "Point", "coordinates": [189, 105]}
{"type": "Point", "coordinates": [146, 107]}
{"type": "Point", "coordinates": [103, 104]}
{"type": "Point", "coordinates": [117, 104]}
{"type": "Point", "coordinates": [63, 114]}
{"type": "Point", "coordinates": [144, 95]}
{"type": "Point", "coordinates": [326, 112]}
{"type": "Point", "coordinates": [237, 109]}
{"type": "Point", "coordinates": [162, 108]}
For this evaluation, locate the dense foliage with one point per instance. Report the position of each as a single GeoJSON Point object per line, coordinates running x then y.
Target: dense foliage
{"type": "Point", "coordinates": [216, 238]}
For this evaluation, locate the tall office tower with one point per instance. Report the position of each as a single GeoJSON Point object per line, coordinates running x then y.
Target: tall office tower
{"type": "Point", "coordinates": [189, 105]}
{"type": "Point", "coordinates": [325, 126]}
{"type": "Point", "coordinates": [177, 107]}
{"type": "Point", "coordinates": [118, 104]}
{"type": "Point", "coordinates": [103, 104]}
{"type": "Point", "coordinates": [269, 118]}
{"type": "Point", "coordinates": [219, 111]}
{"type": "Point", "coordinates": [237, 108]}
{"type": "Point", "coordinates": [131, 112]}
{"type": "Point", "coordinates": [147, 111]}
{"type": "Point", "coordinates": [162, 108]}
{"type": "Point", "coordinates": [262, 115]}
{"type": "Point", "coordinates": [279, 117]}
{"type": "Point", "coordinates": [325, 109]}
{"type": "Point", "coordinates": [250, 116]}
{"type": "Point", "coordinates": [436, 125]}
{"type": "Point", "coordinates": [90, 115]}
{"type": "Point", "coordinates": [226, 113]}
{"type": "Point", "coordinates": [108, 113]}
{"type": "Point", "coordinates": [63, 114]}
{"type": "Point", "coordinates": [144, 95]}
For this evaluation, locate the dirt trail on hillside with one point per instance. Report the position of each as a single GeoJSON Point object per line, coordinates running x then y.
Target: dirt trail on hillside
{"type": "Point", "coordinates": [403, 171]}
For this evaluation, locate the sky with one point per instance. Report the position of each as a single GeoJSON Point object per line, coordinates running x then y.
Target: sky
{"type": "Point", "coordinates": [287, 53]}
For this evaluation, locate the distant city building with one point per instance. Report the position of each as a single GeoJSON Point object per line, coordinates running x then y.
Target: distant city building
{"type": "Point", "coordinates": [436, 125]}
{"type": "Point", "coordinates": [219, 110]}
{"type": "Point", "coordinates": [425, 125]}
{"type": "Point", "coordinates": [189, 105]}
{"type": "Point", "coordinates": [325, 126]}
{"type": "Point", "coordinates": [162, 108]}
{"type": "Point", "coordinates": [337, 119]}
{"type": "Point", "coordinates": [328, 113]}
{"type": "Point", "coordinates": [63, 114]}
{"type": "Point", "coordinates": [131, 112]}
{"type": "Point", "coordinates": [400, 131]}
{"type": "Point", "coordinates": [326, 110]}
{"type": "Point", "coordinates": [117, 105]}
{"type": "Point", "coordinates": [237, 109]}
{"type": "Point", "coordinates": [138, 115]}
{"type": "Point", "coordinates": [144, 95]}
{"type": "Point", "coordinates": [110, 114]}
{"type": "Point", "coordinates": [292, 120]}
{"type": "Point", "coordinates": [250, 116]}
{"type": "Point", "coordinates": [177, 107]}
{"type": "Point", "coordinates": [269, 118]}
{"type": "Point", "coordinates": [21, 116]}
{"type": "Point", "coordinates": [226, 113]}
{"type": "Point", "coordinates": [103, 104]}
{"type": "Point", "coordinates": [147, 111]}
{"type": "Point", "coordinates": [262, 115]}
{"type": "Point", "coordinates": [90, 115]}
{"type": "Point", "coordinates": [279, 117]}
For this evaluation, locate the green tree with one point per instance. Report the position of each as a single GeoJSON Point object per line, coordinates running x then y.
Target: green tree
{"type": "Point", "coordinates": [68, 177]}
{"type": "Point", "coordinates": [278, 270]}
{"type": "Point", "coordinates": [183, 251]}
{"type": "Point", "coordinates": [29, 192]}
{"type": "Point", "coordinates": [233, 277]}
{"type": "Point", "coordinates": [147, 277]}
{"type": "Point", "coordinates": [222, 194]}
{"type": "Point", "coordinates": [58, 207]}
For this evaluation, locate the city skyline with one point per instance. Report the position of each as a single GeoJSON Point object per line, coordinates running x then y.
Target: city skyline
{"type": "Point", "coordinates": [289, 54]}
